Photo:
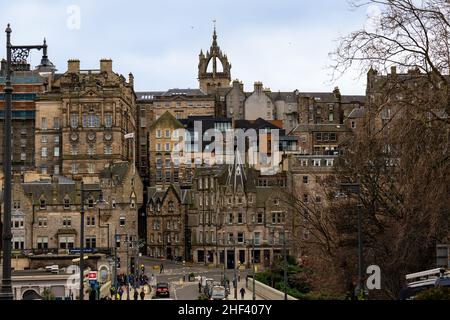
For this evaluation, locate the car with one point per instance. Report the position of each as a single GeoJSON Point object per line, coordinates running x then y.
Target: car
{"type": "Point", "coordinates": [218, 293]}
{"type": "Point", "coordinates": [162, 289]}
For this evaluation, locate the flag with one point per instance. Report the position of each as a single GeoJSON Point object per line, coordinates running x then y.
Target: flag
{"type": "Point", "coordinates": [129, 135]}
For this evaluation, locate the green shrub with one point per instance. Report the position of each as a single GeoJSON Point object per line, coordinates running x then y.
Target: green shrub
{"type": "Point", "coordinates": [48, 294]}
{"type": "Point", "coordinates": [202, 297]}
{"type": "Point", "coordinates": [439, 293]}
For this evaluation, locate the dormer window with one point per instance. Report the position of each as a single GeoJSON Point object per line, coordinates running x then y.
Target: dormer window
{"type": "Point", "coordinates": [66, 202]}
{"type": "Point", "coordinates": [42, 204]}
{"type": "Point", "coordinates": [90, 203]}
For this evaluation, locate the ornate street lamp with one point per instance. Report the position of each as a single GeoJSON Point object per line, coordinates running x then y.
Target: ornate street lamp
{"type": "Point", "coordinates": [15, 56]}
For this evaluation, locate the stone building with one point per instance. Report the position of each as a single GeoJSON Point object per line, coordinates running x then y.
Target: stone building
{"type": "Point", "coordinates": [46, 213]}
{"type": "Point", "coordinates": [306, 175]}
{"type": "Point", "coordinates": [233, 206]}
{"type": "Point", "coordinates": [322, 121]}
{"type": "Point", "coordinates": [26, 83]}
{"type": "Point", "coordinates": [82, 121]}
{"type": "Point", "coordinates": [259, 104]}
{"type": "Point", "coordinates": [164, 167]}
{"type": "Point", "coordinates": [167, 212]}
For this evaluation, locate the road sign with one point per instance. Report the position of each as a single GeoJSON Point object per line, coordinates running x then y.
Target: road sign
{"type": "Point", "coordinates": [92, 275]}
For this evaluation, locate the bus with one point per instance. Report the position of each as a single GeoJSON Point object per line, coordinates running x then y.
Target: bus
{"type": "Point", "coordinates": [421, 281]}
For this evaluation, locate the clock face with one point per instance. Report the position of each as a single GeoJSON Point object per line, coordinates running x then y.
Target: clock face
{"type": "Point", "coordinates": [74, 137]}
{"type": "Point", "coordinates": [108, 136]}
{"type": "Point", "coordinates": [91, 136]}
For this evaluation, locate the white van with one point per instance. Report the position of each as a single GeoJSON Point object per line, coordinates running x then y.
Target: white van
{"type": "Point", "coordinates": [218, 293]}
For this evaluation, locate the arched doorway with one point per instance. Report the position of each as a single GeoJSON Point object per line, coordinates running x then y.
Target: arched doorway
{"type": "Point", "coordinates": [31, 295]}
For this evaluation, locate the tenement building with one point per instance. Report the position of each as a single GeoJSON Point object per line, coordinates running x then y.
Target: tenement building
{"type": "Point", "coordinates": [82, 121]}
{"type": "Point", "coordinates": [26, 83]}
{"type": "Point", "coordinates": [46, 214]}
{"type": "Point", "coordinates": [237, 217]}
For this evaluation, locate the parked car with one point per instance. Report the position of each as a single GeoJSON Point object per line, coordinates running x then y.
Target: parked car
{"type": "Point", "coordinates": [162, 289]}
{"type": "Point", "coordinates": [211, 286]}
{"type": "Point", "coordinates": [218, 293]}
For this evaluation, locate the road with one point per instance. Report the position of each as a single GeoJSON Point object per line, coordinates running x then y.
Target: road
{"type": "Point", "coordinates": [174, 273]}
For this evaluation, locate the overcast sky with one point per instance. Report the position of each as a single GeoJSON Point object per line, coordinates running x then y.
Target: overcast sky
{"type": "Point", "coordinates": [283, 43]}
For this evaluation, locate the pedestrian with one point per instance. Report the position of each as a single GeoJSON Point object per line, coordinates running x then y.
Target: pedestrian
{"type": "Point", "coordinates": [142, 294]}
{"type": "Point", "coordinates": [199, 287]}
{"type": "Point", "coordinates": [242, 293]}
{"type": "Point", "coordinates": [136, 295]}
{"type": "Point", "coordinates": [161, 268]}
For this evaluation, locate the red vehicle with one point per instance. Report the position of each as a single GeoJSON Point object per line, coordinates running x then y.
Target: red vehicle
{"type": "Point", "coordinates": [162, 290]}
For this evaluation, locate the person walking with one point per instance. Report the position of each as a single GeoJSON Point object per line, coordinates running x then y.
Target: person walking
{"type": "Point", "coordinates": [242, 293]}
{"type": "Point", "coordinates": [161, 268]}
{"type": "Point", "coordinates": [142, 294]}
{"type": "Point", "coordinates": [199, 287]}
{"type": "Point", "coordinates": [136, 295]}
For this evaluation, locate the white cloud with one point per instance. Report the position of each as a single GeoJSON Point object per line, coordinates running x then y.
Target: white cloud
{"type": "Point", "coordinates": [286, 48]}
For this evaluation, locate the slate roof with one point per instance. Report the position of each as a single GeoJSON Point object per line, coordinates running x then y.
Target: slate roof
{"type": "Point", "coordinates": [46, 188]}
{"type": "Point", "coordinates": [148, 95]}
{"type": "Point", "coordinates": [158, 194]}
{"type": "Point", "coordinates": [117, 171]}
{"type": "Point", "coordinates": [155, 194]}
{"type": "Point", "coordinates": [289, 97]}
{"type": "Point", "coordinates": [321, 127]}
{"type": "Point", "coordinates": [323, 96]}
{"type": "Point", "coordinates": [357, 113]}
{"type": "Point", "coordinates": [254, 124]}
{"type": "Point", "coordinates": [354, 98]}
{"type": "Point", "coordinates": [208, 122]}
{"type": "Point", "coordinates": [187, 92]}
{"type": "Point", "coordinates": [167, 120]}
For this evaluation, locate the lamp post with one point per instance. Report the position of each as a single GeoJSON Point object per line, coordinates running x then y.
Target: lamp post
{"type": "Point", "coordinates": [235, 275]}
{"type": "Point", "coordinates": [355, 188]}
{"type": "Point", "coordinates": [100, 202]}
{"type": "Point", "coordinates": [81, 294]}
{"type": "Point", "coordinates": [16, 55]}
{"type": "Point", "coordinates": [285, 265]}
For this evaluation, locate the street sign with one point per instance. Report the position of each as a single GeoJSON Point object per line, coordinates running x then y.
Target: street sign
{"type": "Point", "coordinates": [77, 250]}
{"type": "Point", "coordinates": [92, 275]}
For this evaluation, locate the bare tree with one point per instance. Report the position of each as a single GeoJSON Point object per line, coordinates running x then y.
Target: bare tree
{"type": "Point", "coordinates": [400, 159]}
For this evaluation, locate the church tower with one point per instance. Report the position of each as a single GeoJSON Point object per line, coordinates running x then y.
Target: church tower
{"type": "Point", "coordinates": [214, 68]}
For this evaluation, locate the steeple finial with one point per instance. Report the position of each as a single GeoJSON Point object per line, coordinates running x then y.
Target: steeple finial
{"type": "Point", "coordinates": [214, 44]}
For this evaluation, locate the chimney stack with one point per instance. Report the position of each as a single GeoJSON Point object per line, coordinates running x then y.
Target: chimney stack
{"type": "Point", "coordinates": [393, 70]}
{"type": "Point", "coordinates": [73, 66]}
{"type": "Point", "coordinates": [258, 87]}
{"type": "Point", "coordinates": [131, 79]}
{"type": "Point", "coordinates": [106, 66]}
